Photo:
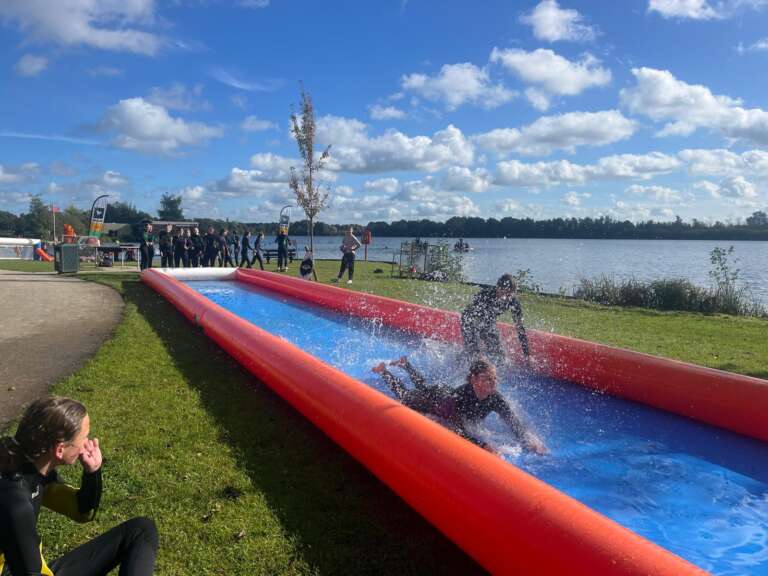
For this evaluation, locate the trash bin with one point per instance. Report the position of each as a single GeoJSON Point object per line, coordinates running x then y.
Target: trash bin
{"type": "Point", "coordinates": [65, 258]}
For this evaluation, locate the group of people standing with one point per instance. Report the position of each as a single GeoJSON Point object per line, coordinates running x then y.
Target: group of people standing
{"type": "Point", "coordinates": [188, 248]}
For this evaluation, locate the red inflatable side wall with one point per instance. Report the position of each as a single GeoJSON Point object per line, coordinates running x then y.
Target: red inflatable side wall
{"type": "Point", "coordinates": [509, 521]}
{"type": "Point", "coordinates": [731, 401]}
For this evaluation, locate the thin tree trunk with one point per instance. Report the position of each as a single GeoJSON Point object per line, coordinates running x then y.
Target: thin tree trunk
{"type": "Point", "coordinates": [312, 245]}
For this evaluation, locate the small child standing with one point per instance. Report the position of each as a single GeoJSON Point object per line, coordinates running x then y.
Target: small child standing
{"type": "Point", "coordinates": [307, 264]}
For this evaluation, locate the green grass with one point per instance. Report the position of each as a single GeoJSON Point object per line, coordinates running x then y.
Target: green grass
{"type": "Point", "coordinates": [26, 266]}
{"type": "Point", "coordinates": [239, 483]}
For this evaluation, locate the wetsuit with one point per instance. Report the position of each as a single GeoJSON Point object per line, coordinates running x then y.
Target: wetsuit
{"type": "Point", "coordinates": [478, 324]}
{"type": "Point", "coordinates": [257, 252]}
{"type": "Point", "coordinates": [166, 249]}
{"type": "Point", "coordinates": [348, 247]}
{"type": "Point", "coordinates": [181, 246]}
{"type": "Point", "coordinates": [196, 246]}
{"type": "Point", "coordinates": [244, 248]}
{"type": "Point", "coordinates": [132, 545]}
{"type": "Point", "coordinates": [210, 251]}
{"type": "Point", "coordinates": [146, 250]}
{"type": "Point", "coordinates": [459, 407]}
{"type": "Point", "coordinates": [305, 268]}
{"type": "Point", "coordinates": [282, 250]}
{"type": "Point", "coordinates": [233, 247]}
{"type": "Point", "coordinates": [225, 257]}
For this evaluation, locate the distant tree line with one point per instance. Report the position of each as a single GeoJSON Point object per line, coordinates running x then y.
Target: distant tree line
{"type": "Point", "coordinates": [37, 223]}
{"type": "Point", "coordinates": [754, 228]}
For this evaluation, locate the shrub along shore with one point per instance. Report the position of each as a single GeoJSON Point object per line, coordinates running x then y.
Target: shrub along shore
{"type": "Point", "coordinates": [239, 483]}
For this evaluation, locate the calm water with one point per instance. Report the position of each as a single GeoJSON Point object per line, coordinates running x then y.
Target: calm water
{"type": "Point", "coordinates": [698, 491]}
{"type": "Point", "coordinates": [558, 264]}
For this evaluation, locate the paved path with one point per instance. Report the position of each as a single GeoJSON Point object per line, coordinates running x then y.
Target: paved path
{"type": "Point", "coordinates": [49, 325]}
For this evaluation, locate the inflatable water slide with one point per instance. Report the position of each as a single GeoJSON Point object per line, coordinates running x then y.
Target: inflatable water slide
{"type": "Point", "coordinates": [655, 466]}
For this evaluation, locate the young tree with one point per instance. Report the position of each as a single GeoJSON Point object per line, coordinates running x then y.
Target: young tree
{"type": "Point", "coordinates": [310, 196]}
{"type": "Point", "coordinates": [170, 208]}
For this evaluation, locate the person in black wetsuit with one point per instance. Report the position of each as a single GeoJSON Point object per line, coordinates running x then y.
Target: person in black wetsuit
{"type": "Point", "coordinates": [166, 247]}
{"type": "Point", "coordinates": [147, 247]}
{"type": "Point", "coordinates": [307, 266]}
{"type": "Point", "coordinates": [181, 246]}
{"type": "Point", "coordinates": [463, 406]}
{"type": "Point", "coordinates": [233, 247]}
{"type": "Point", "coordinates": [54, 432]}
{"type": "Point", "coordinates": [257, 255]}
{"type": "Point", "coordinates": [478, 320]}
{"type": "Point", "coordinates": [283, 242]}
{"type": "Point", "coordinates": [196, 247]}
{"type": "Point", "coordinates": [245, 247]}
{"type": "Point", "coordinates": [210, 250]}
{"type": "Point", "coordinates": [222, 242]}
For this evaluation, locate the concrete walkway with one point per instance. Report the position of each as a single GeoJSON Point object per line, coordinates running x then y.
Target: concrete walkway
{"type": "Point", "coordinates": [49, 325]}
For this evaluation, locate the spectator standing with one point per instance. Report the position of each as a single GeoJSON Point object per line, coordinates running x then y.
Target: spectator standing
{"type": "Point", "coordinates": [348, 247]}
{"type": "Point", "coordinates": [245, 247]}
{"type": "Point", "coordinates": [210, 248]}
{"type": "Point", "coordinates": [166, 247]}
{"type": "Point", "coordinates": [196, 246]}
{"type": "Point", "coordinates": [147, 247]}
{"type": "Point", "coordinates": [257, 255]}
{"type": "Point", "coordinates": [181, 247]}
{"type": "Point", "coordinates": [283, 242]}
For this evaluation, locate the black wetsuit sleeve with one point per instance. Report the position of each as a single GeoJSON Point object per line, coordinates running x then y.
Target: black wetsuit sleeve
{"type": "Point", "coordinates": [416, 377]}
{"type": "Point", "coordinates": [395, 384]}
{"type": "Point", "coordinates": [505, 412]}
{"type": "Point", "coordinates": [19, 538]}
{"type": "Point", "coordinates": [79, 505]}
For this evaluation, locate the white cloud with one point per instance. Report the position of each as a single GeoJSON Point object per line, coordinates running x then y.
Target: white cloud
{"type": "Point", "coordinates": [721, 162]}
{"type": "Point", "coordinates": [145, 127]}
{"type": "Point", "coordinates": [379, 112]}
{"type": "Point", "coordinates": [256, 124]}
{"type": "Point", "coordinates": [507, 206]}
{"type": "Point", "coordinates": [552, 23]}
{"type": "Point", "coordinates": [106, 24]}
{"type": "Point", "coordinates": [618, 167]}
{"type": "Point", "coordinates": [702, 9]}
{"type": "Point", "coordinates": [178, 97]}
{"type": "Point", "coordinates": [31, 65]}
{"type": "Point", "coordinates": [18, 174]}
{"type": "Point", "coordinates": [660, 193]}
{"type": "Point", "coordinates": [688, 107]}
{"type": "Point", "coordinates": [388, 185]}
{"type": "Point", "coordinates": [562, 132]}
{"type": "Point", "coordinates": [355, 151]}
{"type": "Point", "coordinates": [551, 74]}
{"type": "Point", "coordinates": [462, 179]}
{"type": "Point", "coordinates": [733, 191]}
{"type": "Point", "coordinates": [233, 81]}
{"type": "Point", "coordinates": [458, 84]}
{"type": "Point", "coordinates": [574, 198]}
{"type": "Point", "coordinates": [622, 210]}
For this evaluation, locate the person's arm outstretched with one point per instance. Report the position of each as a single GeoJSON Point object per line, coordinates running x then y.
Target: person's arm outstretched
{"type": "Point", "coordinates": [416, 377]}
{"type": "Point", "coordinates": [527, 438]}
{"type": "Point", "coordinates": [522, 336]}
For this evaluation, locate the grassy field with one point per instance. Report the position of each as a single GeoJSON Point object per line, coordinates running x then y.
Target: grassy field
{"type": "Point", "coordinates": [26, 266]}
{"type": "Point", "coordinates": [239, 483]}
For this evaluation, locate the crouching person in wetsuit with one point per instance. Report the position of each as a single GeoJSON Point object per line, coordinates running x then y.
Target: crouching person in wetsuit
{"type": "Point", "coordinates": [463, 406]}
{"type": "Point", "coordinates": [478, 320]}
{"type": "Point", "coordinates": [54, 432]}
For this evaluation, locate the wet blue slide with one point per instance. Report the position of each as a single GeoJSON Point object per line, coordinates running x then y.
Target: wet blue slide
{"type": "Point", "coordinates": [698, 491]}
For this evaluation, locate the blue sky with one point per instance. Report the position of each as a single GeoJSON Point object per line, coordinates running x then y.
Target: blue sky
{"type": "Point", "coordinates": [636, 109]}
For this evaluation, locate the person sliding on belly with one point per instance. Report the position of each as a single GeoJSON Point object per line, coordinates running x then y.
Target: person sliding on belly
{"type": "Point", "coordinates": [478, 320]}
{"type": "Point", "coordinates": [463, 406]}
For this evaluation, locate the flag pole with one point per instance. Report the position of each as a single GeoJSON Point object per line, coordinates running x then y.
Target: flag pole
{"type": "Point", "coordinates": [54, 222]}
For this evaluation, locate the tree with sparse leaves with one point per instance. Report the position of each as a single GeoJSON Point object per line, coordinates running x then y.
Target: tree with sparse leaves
{"type": "Point", "coordinates": [310, 195]}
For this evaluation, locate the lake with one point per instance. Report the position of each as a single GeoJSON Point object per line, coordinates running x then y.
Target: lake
{"type": "Point", "coordinates": [557, 264]}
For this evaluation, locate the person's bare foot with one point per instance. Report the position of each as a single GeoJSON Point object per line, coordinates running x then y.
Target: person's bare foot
{"type": "Point", "coordinates": [402, 361]}
{"type": "Point", "coordinates": [379, 368]}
